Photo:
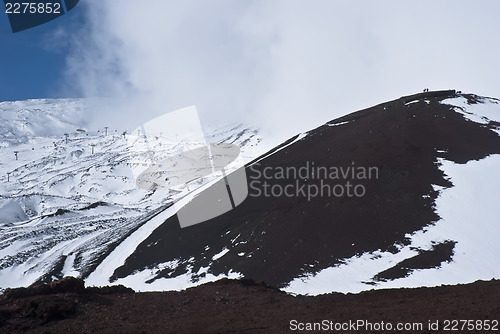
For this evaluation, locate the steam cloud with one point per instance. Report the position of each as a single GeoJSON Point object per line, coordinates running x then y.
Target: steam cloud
{"type": "Point", "coordinates": [288, 64]}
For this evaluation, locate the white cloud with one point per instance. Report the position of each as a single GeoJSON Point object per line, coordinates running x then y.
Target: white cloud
{"type": "Point", "coordinates": [292, 63]}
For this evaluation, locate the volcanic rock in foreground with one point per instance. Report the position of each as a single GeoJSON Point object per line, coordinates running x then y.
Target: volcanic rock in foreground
{"type": "Point", "coordinates": [398, 155]}
{"type": "Point", "coordinates": [237, 306]}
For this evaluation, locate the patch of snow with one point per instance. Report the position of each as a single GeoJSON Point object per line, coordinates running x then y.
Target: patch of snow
{"type": "Point", "coordinates": [469, 216]}
{"type": "Point", "coordinates": [337, 124]}
{"type": "Point", "coordinates": [220, 254]}
{"type": "Point", "coordinates": [138, 280]}
{"type": "Point", "coordinates": [484, 112]}
{"type": "Point", "coordinates": [69, 269]}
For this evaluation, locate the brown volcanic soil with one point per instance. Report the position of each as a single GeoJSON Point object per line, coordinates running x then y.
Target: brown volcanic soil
{"type": "Point", "coordinates": [229, 306]}
{"type": "Point", "coordinates": [285, 237]}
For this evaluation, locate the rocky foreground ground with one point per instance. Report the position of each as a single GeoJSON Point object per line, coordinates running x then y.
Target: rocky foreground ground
{"type": "Point", "coordinates": [244, 306]}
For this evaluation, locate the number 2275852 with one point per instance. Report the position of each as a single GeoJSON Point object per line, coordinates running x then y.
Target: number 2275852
{"type": "Point", "coordinates": [33, 8]}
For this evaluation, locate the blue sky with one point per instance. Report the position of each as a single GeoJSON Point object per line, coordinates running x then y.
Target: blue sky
{"type": "Point", "coordinates": [32, 61]}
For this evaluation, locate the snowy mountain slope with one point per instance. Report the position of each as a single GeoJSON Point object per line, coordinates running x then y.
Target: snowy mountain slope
{"type": "Point", "coordinates": [423, 220]}
{"type": "Point", "coordinates": [67, 201]}
{"type": "Point", "coordinates": [22, 120]}
{"type": "Point", "coordinates": [427, 218]}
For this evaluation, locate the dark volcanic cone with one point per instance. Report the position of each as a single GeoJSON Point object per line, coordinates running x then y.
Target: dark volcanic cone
{"type": "Point", "coordinates": [279, 238]}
